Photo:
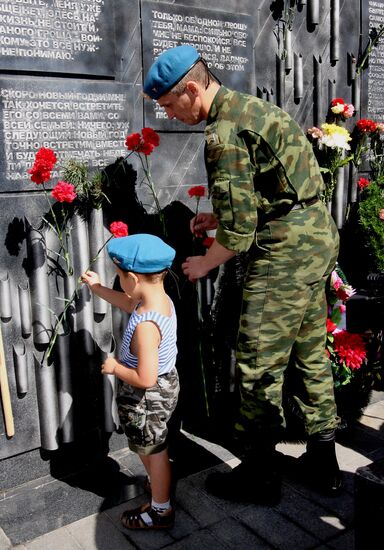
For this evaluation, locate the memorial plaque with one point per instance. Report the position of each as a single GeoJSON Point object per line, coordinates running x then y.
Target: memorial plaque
{"type": "Point", "coordinates": [373, 105]}
{"type": "Point", "coordinates": [57, 36]}
{"type": "Point", "coordinates": [224, 39]}
{"type": "Point", "coordinates": [83, 120]}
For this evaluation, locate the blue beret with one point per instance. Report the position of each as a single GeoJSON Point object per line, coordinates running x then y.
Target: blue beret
{"type": "Point", "coordinates": [141, 253]}
{"type": "Point", "coordinates": [168, 69]}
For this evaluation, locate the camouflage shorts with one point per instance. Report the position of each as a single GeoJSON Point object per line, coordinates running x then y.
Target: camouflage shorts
{"type": "Point", "coordinates": [144, 413]}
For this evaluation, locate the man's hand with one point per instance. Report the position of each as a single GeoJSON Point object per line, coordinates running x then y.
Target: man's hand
{"type": "Point", "coordinates": [194, 268]}
{"type": "Point", "coordinates": [203, 222]}
{"type": "Point", "coordinates": [90, 278]}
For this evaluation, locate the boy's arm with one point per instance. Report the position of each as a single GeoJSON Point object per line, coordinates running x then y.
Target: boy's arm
{"type": "Point", "coordinates": [145, 345]}
{"type": "Point", "coordinates": [114, 297]}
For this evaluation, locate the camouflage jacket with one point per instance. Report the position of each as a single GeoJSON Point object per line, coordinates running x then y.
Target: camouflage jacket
{"type": "Point", "coordinates": [259, 163]}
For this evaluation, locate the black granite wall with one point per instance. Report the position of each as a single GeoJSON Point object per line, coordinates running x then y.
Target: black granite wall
{"type": "Point", "coordinates": [70, 79]}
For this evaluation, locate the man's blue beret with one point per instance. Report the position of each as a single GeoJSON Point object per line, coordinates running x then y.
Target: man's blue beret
{"type": "Point", "coordinates": [141, 253]}
{"type": "Point", "coordinates": [168, 69]}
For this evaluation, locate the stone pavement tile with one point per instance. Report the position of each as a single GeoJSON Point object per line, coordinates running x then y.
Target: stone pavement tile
{"type": "Point", "coordinates": [5, 543]}
{"type": "Point", "coordinates": [376, 408]}
{"type": "Point", "coordinates": [46, 504]}
{"type": "Point", "coordinates": [199, 540]}
{"type": "Point", "coordinates": [184, 524]}
{"type": "Point", "coordinates": [236, 535]}
{"type": "Point", "coordinates": [340, 506]}
{"type": "Point", "coordinates": [309, 515]}
{"type": "Point", "coordinates": [60, 539]}
{"type": "Point", "coordinates": [98, 532]}
{"type": "Point", "coordinates": [277, 530]}
{"type": "Point", "coordinates": [148, 540]}
{"type": "Point", "coordinates": [346, 541]}
{"type": "Point", "coordinates": [197, 503]}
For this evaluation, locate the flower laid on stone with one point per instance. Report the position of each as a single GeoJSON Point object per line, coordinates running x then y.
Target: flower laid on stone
{"type": "Point", "coordinates": [340, 343]}
{"type": "Point", "coordinates": [117, 229]}
{"type": "Point", "coordinates": [350, 349]}
{"type": "Point", "coordinates": [335, 137]}
{"type": "Point", "coordinates": [64, 192]}
{"type": "Point", "coordinates": [330, 143]}
{"type": "Point", "coordinates": [339, 107]}
{"type": "Point", "coordinates": [362, 183]}
{"type": "Point", "coordinates": [366, 125]}
{"type": "Point", "coordinates": [142, 145]}
{"type": "Point", "coordinates": [45, 160]}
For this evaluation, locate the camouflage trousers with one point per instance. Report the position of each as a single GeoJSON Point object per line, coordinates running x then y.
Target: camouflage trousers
{"type": "Point", "coordinates": [144, 413]}
{"type": "Point", "coordinates": [283, 321]}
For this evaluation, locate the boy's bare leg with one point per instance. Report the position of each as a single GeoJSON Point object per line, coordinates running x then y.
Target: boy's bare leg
{"type": "Point", "coordinates": [158, 468]}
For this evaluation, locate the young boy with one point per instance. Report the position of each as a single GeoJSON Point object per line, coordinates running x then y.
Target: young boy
{"type": "Point", "coordinates": [146, 366]}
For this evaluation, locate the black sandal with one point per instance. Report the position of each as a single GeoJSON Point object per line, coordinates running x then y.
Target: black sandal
{"type": "Point", "coordinates": [132, 519]}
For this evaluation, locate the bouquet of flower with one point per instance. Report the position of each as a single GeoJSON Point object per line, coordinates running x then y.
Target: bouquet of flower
{"type": "Point", "coordinates": [347, 351]}
{"type": "Point", "coordinates": [59, 222]}
{"type": "Point", "coordinates": [331, 142]}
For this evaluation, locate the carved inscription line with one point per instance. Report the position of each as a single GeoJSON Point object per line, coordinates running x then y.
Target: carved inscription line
{"type": "Point", "coordinates": [213, 37]}
{"type": "Point", "coordinates": [87, 126]}
{"type": "Point", "coordinates": [56, 29]}
{"type": "Point", "coordinates": [376, 65]}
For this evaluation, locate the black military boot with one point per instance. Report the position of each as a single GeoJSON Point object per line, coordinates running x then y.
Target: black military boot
{"type": "Point", "coordinates": [257, 479]}
{"type": "Point", "coordinates": [319, 464]}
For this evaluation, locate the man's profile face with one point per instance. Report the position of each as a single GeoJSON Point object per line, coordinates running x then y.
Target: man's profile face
{"type": "Point", "coordinates": [184, 107]}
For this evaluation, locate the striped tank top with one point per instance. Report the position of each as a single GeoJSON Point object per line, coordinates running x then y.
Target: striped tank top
{"type": "Point", "coordinates": [167, 348]}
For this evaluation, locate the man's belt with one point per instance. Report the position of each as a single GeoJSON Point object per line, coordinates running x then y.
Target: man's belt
{"type": "Point", "coordinates": [304, 204]}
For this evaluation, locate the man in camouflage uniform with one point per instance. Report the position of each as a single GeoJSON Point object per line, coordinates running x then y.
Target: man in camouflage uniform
{"type": "Point", "coordinates": [264, 184]}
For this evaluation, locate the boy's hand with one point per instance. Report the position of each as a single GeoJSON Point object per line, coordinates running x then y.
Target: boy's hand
{"type": "Point", "coordinates": [90, 278]}
{"type": "Point", "coordinates": [109, 365]}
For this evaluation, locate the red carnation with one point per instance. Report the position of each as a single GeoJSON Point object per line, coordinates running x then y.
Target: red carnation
{"type": "Point", "coordinates": [196, 191]}
{"type": "Point", "coordinates": [64, 192]}
{"type": "Point", "coordinates": [331, 326]}
{"type": "Point", "coordinates": [363, 182]}
{"type": "Point", "coordinates": [133, 141]}
{"type": "Point", "coordinates": [337, 100]}
{"type": "Point", "coordinates": [146, 148]}
{"type": "Point", "coordinates": [45, 160]}
{"type": "Point", "coordinates": [350, 348]}
{"type": "Point", "coordinates": [119, 229]}
{"type": "Point", "coordinates": [366, 125]}
{"type": "Point", "coordinates": [207, 242]}
{"type": "Point", "coordinates": [150, 136]}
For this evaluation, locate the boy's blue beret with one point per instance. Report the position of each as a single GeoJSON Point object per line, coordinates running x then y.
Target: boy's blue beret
{"type": "Point", "coordinates": [168, 69]}
{"type": "Point", "coordinates": [141, 253]}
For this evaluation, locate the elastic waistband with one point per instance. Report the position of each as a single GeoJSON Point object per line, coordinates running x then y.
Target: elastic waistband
{"type": "Point", "coordinates": [305, 203]}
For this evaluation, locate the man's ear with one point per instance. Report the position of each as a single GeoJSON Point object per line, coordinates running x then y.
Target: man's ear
{"type": "Point", "coordinates": [193, 88]}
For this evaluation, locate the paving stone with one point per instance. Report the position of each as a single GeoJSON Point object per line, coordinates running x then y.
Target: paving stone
{"type": "Point", "coordinates": [311, 516]}
{"type": "Point", "coordinates": [5, 543]}
{"type": "Point", "coordinates": [346, 541]}
{"type": "Point", "coordinates": [60, 539]}
{"type": "Point", "coordinates": [98, 531]}
{"type": "Point", "coordinates": [277, 530]}
{"type": "Point", "coordinates": [199, 540]}
{"type": "Point", "coordinates": [236, 535]}
{"type": "Point", "coordinates": [202, 509]}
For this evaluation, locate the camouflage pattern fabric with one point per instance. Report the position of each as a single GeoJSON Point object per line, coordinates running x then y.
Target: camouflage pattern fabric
{"type": "Point", "coordinates": [260, 164]}
{"type": "Point", "coordinates": [283, 321]}
{"type": "Point", "coordinates": [144, 413]}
